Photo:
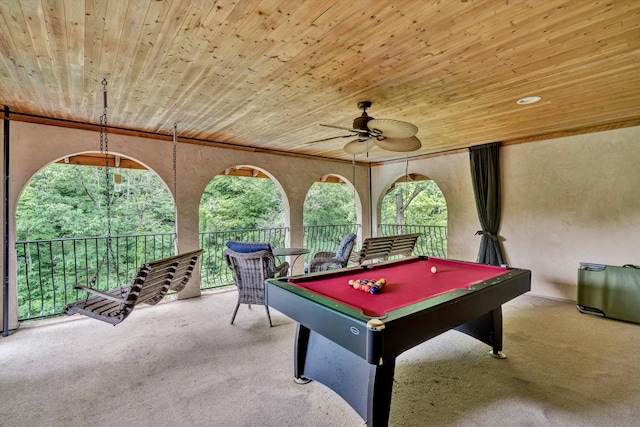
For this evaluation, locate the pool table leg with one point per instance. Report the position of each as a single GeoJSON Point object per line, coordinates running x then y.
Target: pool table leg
{"type": "Point", "coordinates": [300, 353]}
{"type": "Point", "coordinates": [367, 388]}
{"type": "Point", "coordinates": [488, 329]}
{"type": "Point", "coordinates": [379, 405]}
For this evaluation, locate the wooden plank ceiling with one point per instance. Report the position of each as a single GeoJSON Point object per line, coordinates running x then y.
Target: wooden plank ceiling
{"type": "Point", "coordinates": [265, 73]}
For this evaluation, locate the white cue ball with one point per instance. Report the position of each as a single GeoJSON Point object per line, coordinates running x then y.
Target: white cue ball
{"type": "Point", "coordinates": [434, 269]}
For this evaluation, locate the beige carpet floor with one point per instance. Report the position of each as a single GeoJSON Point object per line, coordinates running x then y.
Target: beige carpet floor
{"type": "Point", "coordinates": [180, 363]}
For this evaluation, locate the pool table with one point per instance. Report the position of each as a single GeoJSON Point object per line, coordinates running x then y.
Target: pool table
{"type": "Point", "coordinates": [348, 339]}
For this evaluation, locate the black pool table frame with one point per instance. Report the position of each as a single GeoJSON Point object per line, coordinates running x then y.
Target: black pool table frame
{"type": "Point", "coordinates": [354, 355]}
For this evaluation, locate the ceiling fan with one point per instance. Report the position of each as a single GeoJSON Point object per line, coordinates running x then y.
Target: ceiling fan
{"type": "Point", "coordinates": [387, 134]}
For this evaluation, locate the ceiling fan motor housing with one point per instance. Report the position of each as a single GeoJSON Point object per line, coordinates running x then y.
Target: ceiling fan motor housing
{"type": "Point", "coordinates": [360, 123]}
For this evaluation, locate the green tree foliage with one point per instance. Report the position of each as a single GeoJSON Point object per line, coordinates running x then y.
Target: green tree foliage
{"type": "Point", "coordinates": [64, 201]}
{"type": "Point", "coordinates": [416, 203]}
{"type": "Point", "coordinates": [236, 203]}
{"type": "Point", "coordinates": [70, 201]}
{"type": "Point", "coordinates": [145, 203]}
{"type": "Point", "coordinates": [329, 204]}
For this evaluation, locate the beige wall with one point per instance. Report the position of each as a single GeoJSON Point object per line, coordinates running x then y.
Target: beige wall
{"type": "Point", "coordinates": [564, 200]}
{"type": "Point", "coordinates": [570, 200]}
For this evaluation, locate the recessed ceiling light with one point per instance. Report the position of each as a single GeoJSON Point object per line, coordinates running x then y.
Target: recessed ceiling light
{"type": "Point", "coordinates": [528, 100]}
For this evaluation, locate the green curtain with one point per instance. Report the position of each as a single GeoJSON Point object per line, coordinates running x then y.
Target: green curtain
{"type": "Point", "coordinates": [485, 174]}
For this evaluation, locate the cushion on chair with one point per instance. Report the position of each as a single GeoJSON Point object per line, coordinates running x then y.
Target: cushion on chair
{"type": "Point", "coordinates": [246, 248]}
{"type": "Point", "coordinates": [343, 245]}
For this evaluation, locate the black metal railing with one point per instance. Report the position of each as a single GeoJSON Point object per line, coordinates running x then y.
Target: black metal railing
{"type": "Point", "coordinates": [48, 269]}
{"type": "Point", "coordinates": [214, 272]}
{"type": "Point", "coordinates": [432, 242]}
{"type": "Point", "coordinates": [325, 238]}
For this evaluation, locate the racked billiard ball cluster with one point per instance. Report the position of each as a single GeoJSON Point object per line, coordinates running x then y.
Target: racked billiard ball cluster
{"type": "Point", "coordinates": [371, 286]}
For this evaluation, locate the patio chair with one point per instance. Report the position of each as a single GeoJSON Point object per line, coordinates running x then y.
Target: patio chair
{"type": "Point", "coordinates": [323, 261]}
{"type": "Point", "coordinates": [252, 264]}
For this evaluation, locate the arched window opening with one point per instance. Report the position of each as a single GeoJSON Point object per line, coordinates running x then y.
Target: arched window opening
{"type": "Point", "coordinates": [415, 204]}
{"type": "Point", "coordinates": [237, 201]}
{"type": "Point", "coordinates": [242, 204]}
{"type": "Point", "coordinates": [330, 213]}
{"type": "Point", "coordinates": [62, 232]}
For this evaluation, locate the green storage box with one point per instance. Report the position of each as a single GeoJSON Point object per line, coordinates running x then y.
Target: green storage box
{"type": "Point", "coordinates": [609, 291]}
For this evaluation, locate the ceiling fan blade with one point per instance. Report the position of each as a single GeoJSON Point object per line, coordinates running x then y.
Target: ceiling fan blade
{"type": "Point", "coordinates": [401, 145]}
{"type": "Point", "coordinates": [330, 138]}
{"type": "Point", "coordinates": [392, 128]}
{"type": "Point", "coordinates": [359, 147]}
{"type": "Point", "coordinates": [343, 128]}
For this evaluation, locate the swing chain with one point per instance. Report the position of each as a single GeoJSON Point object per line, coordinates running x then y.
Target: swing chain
{"type": "Point", "coordinates": [175, 173]}
{"type": "Point", "coordinates": [104, 139]}
{"type": "Point", "coordinates": [175, 186]}
{"type": "Point", "coordinates": [104, 147]}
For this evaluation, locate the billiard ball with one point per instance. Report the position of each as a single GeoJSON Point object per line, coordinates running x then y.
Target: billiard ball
{"type": "Point", "coordinates": [434, 269]}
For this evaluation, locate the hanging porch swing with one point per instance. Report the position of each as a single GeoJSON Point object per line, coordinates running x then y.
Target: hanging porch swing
{"type": "Point", "coordinates": [152, 280]}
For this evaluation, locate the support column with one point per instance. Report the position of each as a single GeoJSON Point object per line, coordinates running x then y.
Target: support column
{"type": "Point", "coordinates": [5, 229]}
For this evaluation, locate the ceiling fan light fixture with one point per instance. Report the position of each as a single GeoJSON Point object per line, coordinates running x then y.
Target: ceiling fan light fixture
{"type": "Point", "coordinates": [359, 147]}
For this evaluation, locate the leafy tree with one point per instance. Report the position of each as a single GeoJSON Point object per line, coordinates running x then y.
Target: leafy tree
{"type": "Point", "coordinates": [145, 205]}
{"type": "Point", "coordinates": [236, 203]}
{"type": "Point", "coordinates": [329, 204]}
{"type": "Point", "coordinates": [415, 203]}
{"type": "Point", "coordinates": [64, 201]}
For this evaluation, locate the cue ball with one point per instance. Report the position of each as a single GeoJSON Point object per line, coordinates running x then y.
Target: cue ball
{"type": "Point", "coordinates": [434, 269]}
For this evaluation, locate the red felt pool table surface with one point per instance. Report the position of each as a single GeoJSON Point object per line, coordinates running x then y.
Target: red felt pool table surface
{"type": "Point", "coordinates": [409, 281]}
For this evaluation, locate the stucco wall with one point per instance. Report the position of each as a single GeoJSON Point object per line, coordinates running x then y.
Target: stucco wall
{"type": "Point", "coordinates": [569, 200]}
{"type": "Point", "coordinates": [564, 200]}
